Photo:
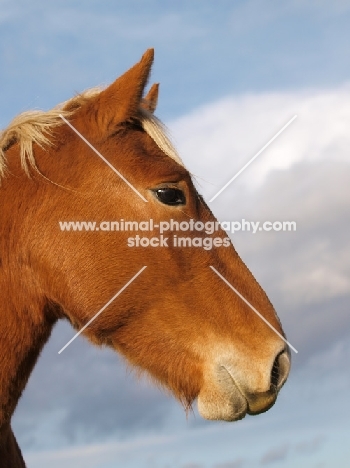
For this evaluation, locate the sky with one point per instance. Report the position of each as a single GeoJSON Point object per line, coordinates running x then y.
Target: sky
{"type": "Point", "coordinates": [231, 75]}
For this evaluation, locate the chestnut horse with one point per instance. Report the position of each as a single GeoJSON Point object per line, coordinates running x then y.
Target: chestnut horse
{"type": "Point", "coordinates": [178, 320]}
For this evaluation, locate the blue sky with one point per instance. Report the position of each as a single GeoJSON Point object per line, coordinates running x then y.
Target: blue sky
{"type": "Point", "coordinates": [205, 50]}
{"type": "Point", "coordinates": [232, 74]}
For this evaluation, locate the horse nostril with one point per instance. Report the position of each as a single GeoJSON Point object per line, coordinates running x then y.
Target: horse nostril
{"type": "Point", "coordinates": [280, 370]}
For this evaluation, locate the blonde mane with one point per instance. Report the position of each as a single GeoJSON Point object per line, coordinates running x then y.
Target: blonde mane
{"type": "Point", "coordinates": [36, 127]}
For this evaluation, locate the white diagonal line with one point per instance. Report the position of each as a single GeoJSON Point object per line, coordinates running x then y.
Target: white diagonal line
{"type": "Point", "coordinates": [254, 157]}
{"type": "Point", "coordinates": [103, 158]}
{"type": "Point", "coordinates": [253, 308]}
{"type": "Point", "coordinates": [103, 308]}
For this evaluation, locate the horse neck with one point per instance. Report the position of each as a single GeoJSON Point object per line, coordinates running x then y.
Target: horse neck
{"type": "Point", "coordinates": [25, 326]}
{"type": "Point", "coordinates": [26, 318]}
{"type": "Point", "coordinates": [10, 453]}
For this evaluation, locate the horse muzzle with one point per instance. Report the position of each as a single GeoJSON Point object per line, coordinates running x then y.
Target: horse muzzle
{"type": "Point", "coordinates": [229, 393]}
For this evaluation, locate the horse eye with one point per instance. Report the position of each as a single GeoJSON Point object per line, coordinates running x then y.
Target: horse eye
{"type": "Point", "coordinates": [171, 196]}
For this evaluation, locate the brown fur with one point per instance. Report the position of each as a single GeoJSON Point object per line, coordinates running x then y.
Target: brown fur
{"type": "Point", "coordinates": [177, 317]}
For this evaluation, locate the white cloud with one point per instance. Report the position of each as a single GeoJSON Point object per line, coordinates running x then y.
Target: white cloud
{"type": "Point", "coordinates": [218, 139]}
{"type": "Point", "coordinates": [320, 282]}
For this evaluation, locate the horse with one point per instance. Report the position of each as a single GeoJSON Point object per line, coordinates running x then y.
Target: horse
{"type": "Point", "coordinates": [177, 321]}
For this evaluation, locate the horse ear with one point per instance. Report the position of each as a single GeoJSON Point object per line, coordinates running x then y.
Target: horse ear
{"type": "Point", "coordinates": [150, 101]}
{"type": "Point", "coordinates": [122, 99]}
